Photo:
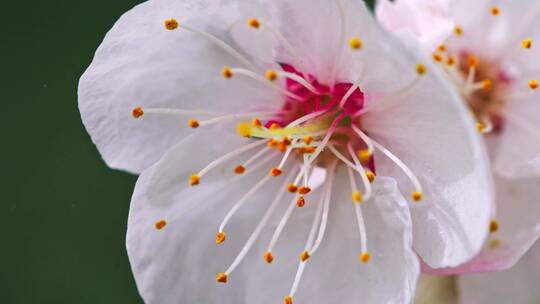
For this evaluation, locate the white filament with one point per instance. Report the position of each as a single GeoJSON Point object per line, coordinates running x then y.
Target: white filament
{"type": "Point", "coordinates": [230, 155]}
{"type": "Point", "coordinates": [222, 44]}
{"type": "Point", "coordinates": [257, 232]}
{"type": "Point", "coordinates": [265, 81]}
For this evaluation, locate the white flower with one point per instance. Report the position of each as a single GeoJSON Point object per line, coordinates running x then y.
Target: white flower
{"type": "Point", "coordinates": [491, 56]}
{"type": "Point", "coordinates": [517, 285]}
{"type": "Point", "coordinates": [311, 84]}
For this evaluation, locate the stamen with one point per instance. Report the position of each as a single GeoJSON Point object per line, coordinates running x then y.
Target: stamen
{"type": "Point", "coordinates": [299, 80]}
{"type": "Point", "coordinates": [265, 81]}
{"type": "Point", "coordinates": [220, 237]}
{"type": "Point", "coordinates": [194, 180]}
{"type": "Point", "coordinates": [365, 139]}
{"type": "Point", "coordinates": [322, 218]}
{"type": "Point", "coordinates": [527, 43]}
{"type": "Point", "coordinates": [417, 193]}
{"type": "Point", "coordinates": [365, 257]}
{"type": "Point", "coordinates": [138, 112]}
{"type": "Point", "coordinates": [282, 222]}
{"type": "Point", "coordinates": [493, 226]}
{"type": "Point", "coordinates": [226, 157]}
{"type": "Point", "coordinates": [282, 40]}
{"type": "Point", "coordinates": [288, 300]}
{"type": "Point", "coordinates": [326, 210]}
{"type": "Point", "coordinates": [362, 172]}
{"type": "Point", "coordinates": [362, 231]}
{"type": "Point", "coordinates": [239, 169]}
{"type": "Point", "coordinates": [275, 172]}
{"type": "Point", "coordinates": [160, 224]}
{"type": "Point", "coordinates": [371, 176]}
{"type": "Point", "coordinates": [495, 11]}
{"type": "Point", "coordinates": [193, 123]}
{"type": "Point", "coordinates": [171, 24]}
{"type": "Point", "coordinates": [221, 277]}
{"type": "Point", "coordinates": [268, 257]}
{"type": "Point", "coordinates": [485, 126]}
{"type": "Point", "coordinates": [421, 69]}
{"type": "Point", "coordinates": [458, 30]}
{"type": "Point", "coordinates": [222, 44]}
{"type": "Point", "coordinates": [533, 84]}
{"type": "Point", "coordinates": [241, 202]}
{"type": "Point", "coordinates": [355, 43]}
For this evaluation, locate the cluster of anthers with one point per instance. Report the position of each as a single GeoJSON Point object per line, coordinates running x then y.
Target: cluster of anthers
{"type": "Point", "coordinates": [485, 83]}
{"type": "Point", "coordinates": [319, 126]}
{"type": "Point", "coordinates": [488, 86]}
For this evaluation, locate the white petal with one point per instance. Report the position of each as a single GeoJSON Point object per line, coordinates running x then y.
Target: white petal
{"type": "Point", "coordinates": [334, 273]}
{"type": "Point", "coordinates": [178, 264]}
{"type": "Point", "coordinates": [518, 216]}
{"type": "Point", "coordinates": [517, 148]}
{"type": "Point", "coordinates": [140, 63]}
{"type": "Point", "coordinates": [429, 21]}
{"type": "Point", "coordinates": [429, 129]}
{"type": "Point", "coordinates": [518, 285]}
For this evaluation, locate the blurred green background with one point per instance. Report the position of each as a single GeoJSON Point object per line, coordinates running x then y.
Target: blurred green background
{"type": "Point", "coordinates": [63, 213]}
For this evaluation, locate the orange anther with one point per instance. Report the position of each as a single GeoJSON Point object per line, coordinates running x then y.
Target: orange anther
{"type": "Point", "coordinates": [160, 224]}
{"type": "Point", "coordinates": [193, 123]}
{"type": "Point", "coordinates": [275, 172]}
{"type": "Point", "coordinates": [137, 112]}
{"type": "Point", "coordinates": [301, 202]}
{"type": "Point", "coordinates": [292, 188]}
{"type": "Point", "coordinates": [220, 237]}
{"type": "Point", "coordinates": [221, 277]}
{"type": "Point", "coordinates": [194, 180]}
{"type": "Point", "coordinates": [268, 257]}
{"type": "Point", "coordinates": [171, 24]}
{"type": "Point", "coordinates": [304, 190]}
{"type": "Point", "coordinates": [240, 169]}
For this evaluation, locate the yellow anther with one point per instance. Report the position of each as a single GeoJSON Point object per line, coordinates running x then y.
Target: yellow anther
{"type": "Point", "coordinates": [308, 140]}
{"type": "Point", "coordinates": [417, 196]}
{"type": "Point", "coordinates": [480, 126]}
{"type": "Point", "coordinates": [271, 75]}
{"type": "Point", "coordinates": [288, 300]}
{"type": "Point", "coordinates": [275, 172]}
{"type": "Point", "coordinates": [442, 48]}
{"type": "Point", "coordinates": [171, 24]}
{"type": "Point", "coordinates": [220, 237]}
{"type": "Point", "coordinates": [221, 277]}
{"type": "Point", "coordinates": [421, 69]}
{"type": "Point", "coordinates": [292, 188]}
{"type": "Point", "coordinates": [458, 30]}
{"type": "Point", "coordinates": [493, 226]}
{"type": "Point", "coordinates": [227, 72]}
{"type": "Point", "coordinates": [244, 129]}
{"type": "Point", "coordinates": [437, 57]}
{"type": "Point", "coordinates": [450, 61]}
{"type": "Point", "coordinates": [160, 224]}
{"type": "Point", "coordinates": [495, 11]}
{"type": "Point", "coordinates": [494, 243]}
{"type": "Point", "coordinates": [274, 126]}
{"type": "Point", "coordinates": [254, 23]}
{"type": "Point", "coordinates": [487, 84]}
{"type": "Point", "coordinates": [194, 180]}
{"type": "Point", "coordinates": [304, 190]}
{"type": "Point", "coordinates": [364, 155]}
{"type": "Point", "coordinates": [268, 257]}
{"type": "Point", "coordinates": [137, 112]}
{"type": "Point", "coordinates": [301, 202]}
{"type": "Point", "coordinates": [355, 43]}
{"type": "Point", "coordinates": [370, 175]}
{"type": "Point", "coordinates": [472, 61]}
{"type": "Point", "coordinates": [239, 169]}
{"type": "Point", "coordinates": [193, 123]}
{"type": "Point", "coordinates": [357, 197]}
{"type": "Point", "coordinates": [533, 84]}
{"type": "Point", "coordinates": [365, 257]}
{"type": "Point", "coordinates": [526, 43]}
{"type": "Point", "coordinates": [304, 256]}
